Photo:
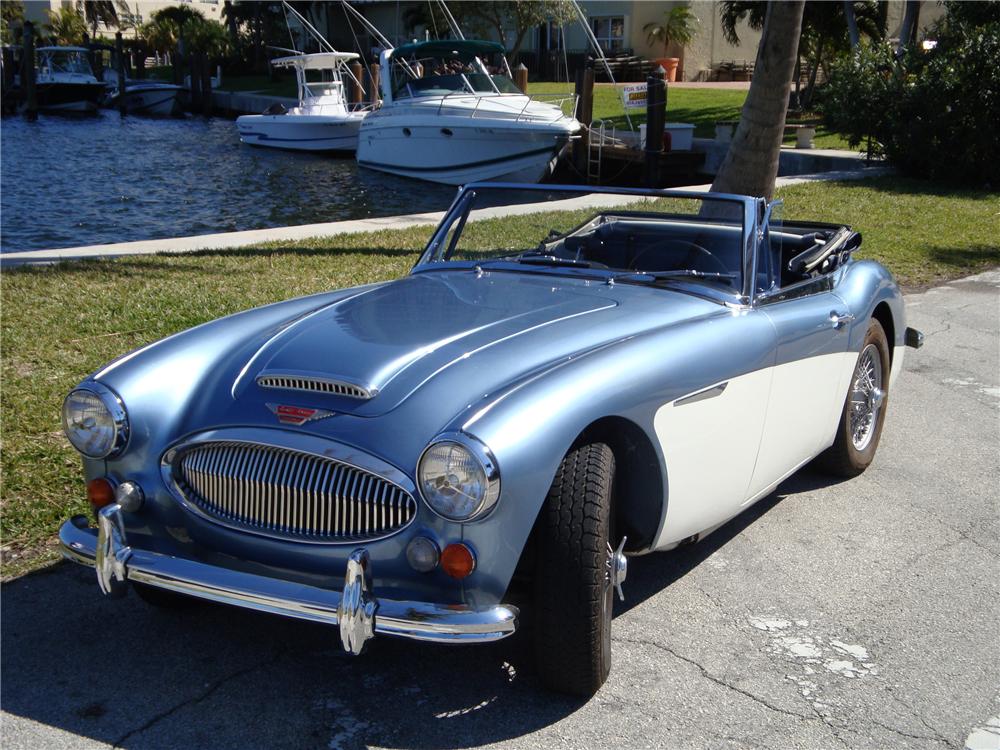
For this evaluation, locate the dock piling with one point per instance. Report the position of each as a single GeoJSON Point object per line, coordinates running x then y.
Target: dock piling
{"type": "Point", "coordinates": [205, 71]}
{"type": "Point", "coordinates": [521, 77]}
{"type": "Point", "coordinates": [191, 63]}
{"type": "Point", "coordinates": [122, 70]}
{"type": "Point", "coordinates": [585, 115]}
{"type": "Point", "coordinates": [28, 72]}
{"type": "Point", "coordinates": [357, 95]}
{"type": "Point", "coordinates": [374, 73]}
{"type": "Point", "coordinates": [656, 110]}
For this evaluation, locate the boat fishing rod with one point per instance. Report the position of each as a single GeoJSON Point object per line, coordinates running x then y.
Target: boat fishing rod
{"type": "Point", "coordinates": [451, 20]}
{"type": "Point", "coordinates": [319, 38]}
{"type": "Point", "coordinates": [308, 27]}
{"type": "Point", "coordinates": [600, 53]}
{"type": "Point", "coordinates": [379, 37]}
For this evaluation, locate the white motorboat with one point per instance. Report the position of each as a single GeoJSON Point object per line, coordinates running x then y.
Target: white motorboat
{"type": "Point", "coordinates": [445, 117]}
{"type": "Point", "coordinates": [322, 121]}
{"type": "Point", "coordinates": [65, 82]}
{"type": "Point", "coordinates": [146, 97]}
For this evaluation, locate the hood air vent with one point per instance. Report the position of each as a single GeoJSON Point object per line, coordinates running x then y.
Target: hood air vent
{"type": "Point", "coordinates": [313, 385]}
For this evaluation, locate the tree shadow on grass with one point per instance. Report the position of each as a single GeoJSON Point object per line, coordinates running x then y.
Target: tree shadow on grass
{"type": "Point", "coordinates": [123, 673]}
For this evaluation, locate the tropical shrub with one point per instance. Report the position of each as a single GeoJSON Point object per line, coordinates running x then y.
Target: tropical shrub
{"type": "Point", "coordinates": [932, 113]}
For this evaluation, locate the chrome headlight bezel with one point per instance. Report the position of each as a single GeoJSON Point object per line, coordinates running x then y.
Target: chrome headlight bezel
{"type": "Point", "coordinates": [116, 411]}
{"type": "Point", "coordinates": [487, 462]}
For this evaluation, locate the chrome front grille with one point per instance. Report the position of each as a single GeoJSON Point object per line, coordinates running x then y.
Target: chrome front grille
{"type": "Point", "coordinates": [291, 494]}
{"type": "Point", "coordinates": [313, 385]}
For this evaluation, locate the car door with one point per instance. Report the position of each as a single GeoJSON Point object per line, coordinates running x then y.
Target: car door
{"type": "Point", "coordinates": [710, 435]}
{"type": "Point", "coordinates": [811, 370]}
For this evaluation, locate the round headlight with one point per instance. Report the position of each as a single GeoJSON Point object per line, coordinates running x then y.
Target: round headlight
{"type": "Point", "coordinates": [94, 421]}
{"type": "Point", "coordinates": [458, 478]}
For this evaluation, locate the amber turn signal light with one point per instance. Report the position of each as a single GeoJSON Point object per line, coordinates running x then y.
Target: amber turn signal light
{"type": "Point", "coordinates": [100, 492]}
{"type": "Point", "coordinates": [458, 561]}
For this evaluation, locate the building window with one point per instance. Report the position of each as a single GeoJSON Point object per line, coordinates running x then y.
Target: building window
{"type": "Point", "coordinates": [610, 32]}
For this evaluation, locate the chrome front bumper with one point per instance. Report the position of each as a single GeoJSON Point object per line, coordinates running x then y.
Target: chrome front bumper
{"type": "Point", "coordinates": [355, 609]}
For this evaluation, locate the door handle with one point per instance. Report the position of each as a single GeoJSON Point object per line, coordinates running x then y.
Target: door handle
{"type": "Point", "coordinates": [839, 320]}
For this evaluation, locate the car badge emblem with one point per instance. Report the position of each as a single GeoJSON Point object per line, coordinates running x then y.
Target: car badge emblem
{"type": "Point", "coordinates": [297, 415]}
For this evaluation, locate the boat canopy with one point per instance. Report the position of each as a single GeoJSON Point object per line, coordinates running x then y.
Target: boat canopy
{"type": "Point", "coordinates": [61, 49]}
{"type": "Point", "coordinates": [462, 49]}
{"type": "Point", "coordinates": [315, 61]}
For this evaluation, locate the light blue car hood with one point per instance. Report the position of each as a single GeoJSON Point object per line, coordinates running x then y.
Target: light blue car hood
{"type": "Point", "coordinates": [447, 338]}
{"type": "Point", "coordinates": [395, 337]}
{"type": "Point", "coordinates": [484, 329]}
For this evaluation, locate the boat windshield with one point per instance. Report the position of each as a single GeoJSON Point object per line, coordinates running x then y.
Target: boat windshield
{"type": "Point", "coordinates": [68, 61]}
{"type": "Point", "coordinates": [437, 76]}
{"type": "Point", "coordinates": [642, 238]}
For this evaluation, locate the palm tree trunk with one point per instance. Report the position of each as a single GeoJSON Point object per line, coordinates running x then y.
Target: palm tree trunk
{"type": "Point", "coordinates": [751, 165]}
{"type": "Point", "coordinates": [852, 24]}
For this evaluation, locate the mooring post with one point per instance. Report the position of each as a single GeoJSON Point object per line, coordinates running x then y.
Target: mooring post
{"type": "Point", "coordinates": [175, 68]}
{"type": "Point", "coordinates": [585, 115]}
{"type": "Point", "coordinates": [191, 63]}
{"type": "Point", "coordinates": [656, 106]}
{"type": "Point", "coordinates": [374, 73]}
{"type": "Point", "coordinates": [521, 77]}
{"type": "Point", "coordinates": [357, 70]}
{"type": "Point", "coordinates": [205, 68]}
{"type": "Point", "coordinates": [122, 71]}
{"type": "Point", "coordinates": [28, 72]}
{"type": "Point", "coordinates": [8, 78]}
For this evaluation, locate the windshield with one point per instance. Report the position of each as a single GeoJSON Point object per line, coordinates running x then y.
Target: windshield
{"type": "Point", "coordinates": [441, 76]}
{"type": "Point", "coordinates": [69, 61]}
{"type": "Point", "coordinates": [642, 238]}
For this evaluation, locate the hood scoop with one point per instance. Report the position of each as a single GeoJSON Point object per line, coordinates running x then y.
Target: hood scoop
{"type": "Point", "coordinates": [302, 381]}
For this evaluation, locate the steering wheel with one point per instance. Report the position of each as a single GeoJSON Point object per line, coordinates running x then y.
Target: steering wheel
{"type": "Point", "coordinates": [695, 251]}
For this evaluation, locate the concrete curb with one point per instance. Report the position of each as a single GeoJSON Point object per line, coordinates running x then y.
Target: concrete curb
{"type": "Point", "coordinates": [233, 240]}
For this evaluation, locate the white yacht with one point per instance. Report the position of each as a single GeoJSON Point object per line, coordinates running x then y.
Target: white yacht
{"type": "Point", "coordinates": [446, 117]}
{"type": "Point", "coordinates": [322, 121]}
{"type": "Point", "coordinates": [65, 82]}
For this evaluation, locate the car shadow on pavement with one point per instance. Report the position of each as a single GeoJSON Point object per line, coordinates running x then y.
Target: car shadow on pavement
{"type": "Point", "coordinates": [126, 674]}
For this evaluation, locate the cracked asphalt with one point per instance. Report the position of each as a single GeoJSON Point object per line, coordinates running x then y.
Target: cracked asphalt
{"type": "Point", "coordinates": [861, 614]}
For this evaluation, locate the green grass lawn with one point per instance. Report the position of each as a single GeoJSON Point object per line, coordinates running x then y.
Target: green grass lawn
{"type": "Point", "coordinates": [61, 322]}
{"type": "Point", "coordinates": [702, 107]}
{"type": "Point", "coordinates": [284, 85]}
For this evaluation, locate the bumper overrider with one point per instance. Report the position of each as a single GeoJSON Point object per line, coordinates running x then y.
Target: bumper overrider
{"type": "Point", "coordinates": [355, 609]}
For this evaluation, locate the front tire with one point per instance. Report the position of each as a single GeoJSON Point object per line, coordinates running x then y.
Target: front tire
{"type": "Point", "coordinates": [573, 591]}
{"type": "Point", "coordinates": [861, 420]}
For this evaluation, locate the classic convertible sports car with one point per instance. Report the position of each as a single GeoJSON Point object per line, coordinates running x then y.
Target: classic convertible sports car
{"type": "Point", "coordinates": [567, 377]}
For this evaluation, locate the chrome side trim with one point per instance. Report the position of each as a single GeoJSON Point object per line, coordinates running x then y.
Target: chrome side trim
{"type": "Point", "coordinates": [422, 621]}
{"type": "Point", "coordinates": [707, 393]}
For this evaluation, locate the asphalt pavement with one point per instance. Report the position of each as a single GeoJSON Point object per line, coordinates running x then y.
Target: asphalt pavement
{"type": "Point", "coordinates": [852, 614]}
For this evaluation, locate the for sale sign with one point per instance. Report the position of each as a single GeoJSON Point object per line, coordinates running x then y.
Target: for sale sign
{"type": "Point", "coordinates": [634, 96]}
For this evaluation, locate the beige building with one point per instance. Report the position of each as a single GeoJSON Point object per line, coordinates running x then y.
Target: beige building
{"type": "Point", "coordinates": [36, 11]}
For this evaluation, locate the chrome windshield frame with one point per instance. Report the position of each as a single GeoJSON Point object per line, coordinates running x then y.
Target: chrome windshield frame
{"type": "Point", "coordinates": [466, 194]}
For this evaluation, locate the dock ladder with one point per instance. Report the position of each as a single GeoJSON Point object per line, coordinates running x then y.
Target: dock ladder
{"type": "Point", "coordinates": [599, 138]}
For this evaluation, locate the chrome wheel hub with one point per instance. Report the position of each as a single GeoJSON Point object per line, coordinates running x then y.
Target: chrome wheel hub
{"type": "Point", "coordinates": [867, 397]}
{"type": "Point", "coordinates": [616, 567]}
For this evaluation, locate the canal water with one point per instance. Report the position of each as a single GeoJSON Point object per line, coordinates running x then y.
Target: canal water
{"type": "Point", "coordinates": [66, 182]}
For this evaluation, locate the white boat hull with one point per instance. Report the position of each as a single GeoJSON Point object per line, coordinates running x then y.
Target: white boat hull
{"type": "Point", "coordinates": [459, 150]}
{"type": "Point", "coordinates": [301, 132]}
{"type": "Point", "coordinates": [164, 100]}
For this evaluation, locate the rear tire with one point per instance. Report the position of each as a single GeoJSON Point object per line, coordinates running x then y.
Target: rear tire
{"type": "Point", "coordinates": [861, 420]}
{"type": "Point", "coordinates": [572, 590]}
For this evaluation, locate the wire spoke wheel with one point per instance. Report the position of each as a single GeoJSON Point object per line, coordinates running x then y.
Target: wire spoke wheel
{"type": "Point", "coordinates": [866, 397]}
